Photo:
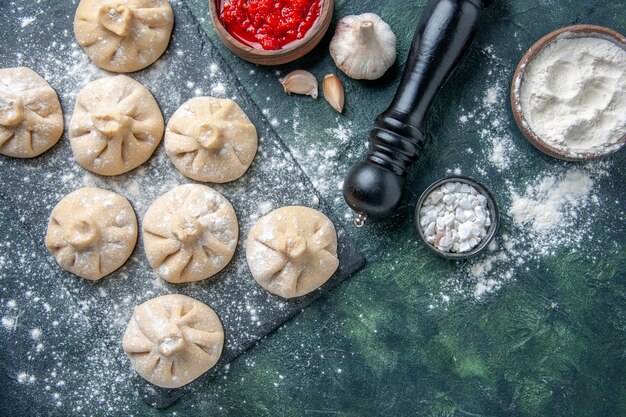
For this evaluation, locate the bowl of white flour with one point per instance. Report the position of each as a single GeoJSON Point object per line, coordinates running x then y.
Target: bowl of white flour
{"type": "Point", "coordinates": [569, 93]}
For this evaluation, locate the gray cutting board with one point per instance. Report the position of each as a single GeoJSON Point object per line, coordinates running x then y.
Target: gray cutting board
{"type": "Point", "coordinates": [29, 189]}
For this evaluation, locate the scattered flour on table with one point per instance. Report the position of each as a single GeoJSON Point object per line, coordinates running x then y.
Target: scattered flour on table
{"type": "Point", "coordinates": [25, 21]}
{"type": "Point", "coordinates": [490, 116]}
{"type": "Point", "coordinates": [24, 378]}
{"type": "Point", "coordinates": [542, 215]}
{"type": "Point", "coordinates": [541, 206]}
{"type": "Point", "coordinates": [35, 334]}
{"type": "Point", "coordinates": [554, 213]}
{"type": "Point", "coordinates": [342, 132]}
{"type": "Point", "coordinates": [489, 119]}
{"type": "Point", "coordinates": [8, 323]}
{"type": "Point", "coordinates": [218, 89]}
{"type": "Point", "coordinates": [325, 165]}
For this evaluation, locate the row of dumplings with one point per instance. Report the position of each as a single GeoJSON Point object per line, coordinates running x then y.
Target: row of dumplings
{"type": "Point", "coordinates": [117, 125]}
{"type": "Point", "coordinates": [190, 234]}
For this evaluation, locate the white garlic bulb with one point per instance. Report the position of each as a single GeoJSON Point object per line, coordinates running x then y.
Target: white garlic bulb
{"type": "Point", "coordinates": [364, 46]}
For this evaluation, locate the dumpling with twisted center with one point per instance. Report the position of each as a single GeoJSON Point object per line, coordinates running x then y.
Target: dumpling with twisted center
{"type": "Point", "coordinates": [31, 120]}
{"type": "Point", "coordinates": [123, 35]}
{"type": "Point", "coordinates": [116, 125]}
{"type": "Point", "coordinates": [92, 232]}
{"type": "Point", "coordinates": [190, 233]}
{"type": "Point", "coordinates": [292, 251]}
{"type": "Point", "coordinates": [173, 339]}
{"type": "Point", "coordinates": [211, 140]}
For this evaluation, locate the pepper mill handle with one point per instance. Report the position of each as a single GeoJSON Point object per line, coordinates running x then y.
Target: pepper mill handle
{"type": "Point", "coordinates": [373, 188]}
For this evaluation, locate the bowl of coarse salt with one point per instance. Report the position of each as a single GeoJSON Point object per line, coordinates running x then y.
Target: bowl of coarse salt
{"type": "Point", "coordinates": [569, 93]}
{"type": "Point", "coordinates": [456, 217]}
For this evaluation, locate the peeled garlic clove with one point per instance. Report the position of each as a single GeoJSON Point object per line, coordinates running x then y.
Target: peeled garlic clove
{"type": "Point", "coordinates": [300, 82]}
{"type": "Point", "coordinates": [364, 46]}
{"type": "Point", "coordinates": [333, 92]}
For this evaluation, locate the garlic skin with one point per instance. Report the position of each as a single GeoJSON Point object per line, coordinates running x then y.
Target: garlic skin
{"type": "Point", "coordinates": [300, 82]}
{"type": "Point", "coordinates": [333, 92]}
{"type": "Point", "coordinates": [364, 46]}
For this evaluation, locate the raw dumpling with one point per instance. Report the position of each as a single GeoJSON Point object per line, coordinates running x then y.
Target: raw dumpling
{"type": "Point", "coordinates": [211, 140]}
{"type": "Point", "coordinates": [190, 233]}
{"type": "Point", "coordinates": [92, 232]}
{"type": "Point", "coordinates": [31, 120]}
{"type": "Point", "coordinates": [123, 35]}
{"type": "Point", "coordinates": [116, 125]}
{"type": "Point", "coordinates": [173, 339]}
{"type": "Point", "coordinates": [292, 251]}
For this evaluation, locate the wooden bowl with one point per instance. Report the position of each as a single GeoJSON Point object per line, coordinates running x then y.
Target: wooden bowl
{"type": "Point", "coordinates": [518, 78]}
{"type": "Point", "coordinates": [290, 53]}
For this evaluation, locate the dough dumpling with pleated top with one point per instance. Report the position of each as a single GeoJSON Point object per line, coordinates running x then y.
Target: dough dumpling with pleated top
{"type": "Point", "coordinates": [190, 233]}
{"type": "Point", "coordinates": [292, 251]}
{"type": "Point", "coordinates": [31, 120]}
{"type": "Point", "coordinates": [123, 35]}
{"type": "Point", "coordinates": [92, 232]}
{"type": "Point", "coordinates": [116, 125]}
{"type": "Point", "coordinates": [173, 339]}
{"type": "Point", "coordinates": [211, 140]}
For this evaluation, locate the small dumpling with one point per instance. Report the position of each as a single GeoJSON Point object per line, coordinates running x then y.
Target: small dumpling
{"type": "Point", "coordinates": [190, 233]}
{"type": "Point", "coordinates": [173, 339]}
{"type": "Point", "coordinates": [123, 35]}
{"type": "Point", "coordinates": [116, 125]}
{"type": "Point", "coordinates": [31, 120]}
{"type": "Point", "coordinates": [211, 140]}
{"type": "Point", "coordinates": [92, 232]}
{"type": "Point", "coordinates": [292, 251]}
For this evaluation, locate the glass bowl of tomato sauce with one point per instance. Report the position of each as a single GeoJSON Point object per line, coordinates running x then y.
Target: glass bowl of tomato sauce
{"type": "Point", "coordinates": [271, 32]}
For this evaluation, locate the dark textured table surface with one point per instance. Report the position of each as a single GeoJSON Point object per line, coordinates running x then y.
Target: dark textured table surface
{"type": "Point", "coordinates": [535, 327]}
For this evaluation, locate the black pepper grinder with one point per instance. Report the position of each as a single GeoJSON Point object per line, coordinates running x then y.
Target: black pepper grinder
{"type": "Point", "coordinates": [373, 188]}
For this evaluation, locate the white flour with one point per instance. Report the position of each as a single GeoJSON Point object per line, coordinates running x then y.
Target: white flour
{"type": "Point", "coordinates": [553, 213]}
{"type": "Point", "coordinates": [488, 119]}
{"type": "Point", "coordinates": [573, 94]}
{"type": "Point", "coordinates": [542, 205]}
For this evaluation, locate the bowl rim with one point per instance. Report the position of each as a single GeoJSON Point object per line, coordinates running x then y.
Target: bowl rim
{"type": "Point", "coordinates": [491, 205]}
{"type": "Point", "coordinates": [573, 31]}
{"type": "Point", "coordinates": [322, 23]}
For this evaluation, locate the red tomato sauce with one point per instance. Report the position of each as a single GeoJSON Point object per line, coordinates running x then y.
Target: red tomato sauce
{"type": "Point", "coordinates": [269, 24]}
